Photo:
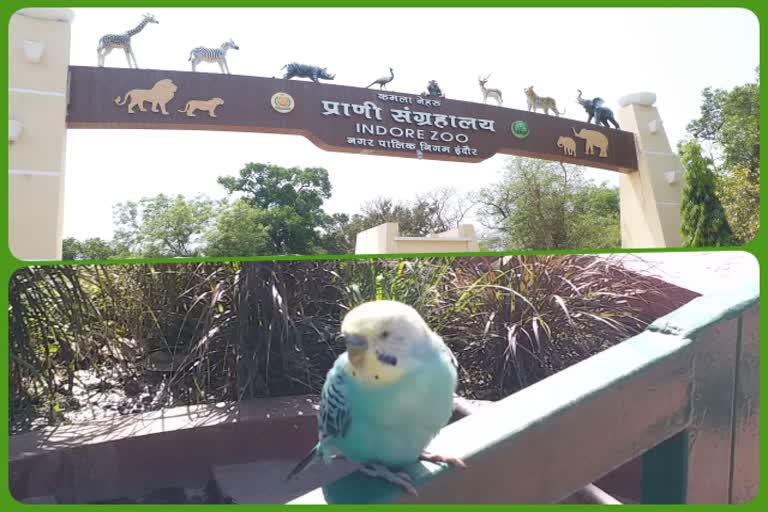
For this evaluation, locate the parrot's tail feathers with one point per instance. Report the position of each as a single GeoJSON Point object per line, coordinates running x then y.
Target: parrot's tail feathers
{"type": "Point", "coordinates": [305, 462]}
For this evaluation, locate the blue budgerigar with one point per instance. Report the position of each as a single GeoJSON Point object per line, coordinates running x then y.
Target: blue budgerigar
{"type": "Point", "coordinates": [388, 395]}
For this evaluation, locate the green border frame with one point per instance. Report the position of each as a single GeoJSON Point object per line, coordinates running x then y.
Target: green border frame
{"type": "Point", "coordinates": [9, 264]}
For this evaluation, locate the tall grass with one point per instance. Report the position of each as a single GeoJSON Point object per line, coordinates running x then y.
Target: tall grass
{"type": "Point", "coordinates": [197, 332]}
{"type": "Point", "coordinates": [540, 314]}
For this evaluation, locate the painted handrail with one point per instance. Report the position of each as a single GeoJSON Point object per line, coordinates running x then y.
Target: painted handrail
{"type": "Point", "coordinates": [682, 394]}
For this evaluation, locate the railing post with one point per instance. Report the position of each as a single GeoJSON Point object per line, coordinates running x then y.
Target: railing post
{"type": "Point", "coordinates": [715, 459]}
{"type": "Point", "coordinates": [746, 449]}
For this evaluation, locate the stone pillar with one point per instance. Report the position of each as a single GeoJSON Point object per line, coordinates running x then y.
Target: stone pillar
{"type": "Point", "coordinates": [468, 231]}
{"type": "Point", "coordinates": [38, 62]}
{"type": "Point", "coordinates": [650, 198]}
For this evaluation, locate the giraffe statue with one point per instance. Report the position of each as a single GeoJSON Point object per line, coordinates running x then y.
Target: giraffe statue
{"type": "Point", "coordinates": [111, 41]}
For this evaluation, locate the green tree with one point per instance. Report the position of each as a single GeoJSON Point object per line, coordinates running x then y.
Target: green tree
{"type": "Point", "coordinates": [238, 230]}
{"type": "Point", "coordinates": [542, 205]}
{"type": "Point", "coordinates": [600, 199]}
{"type": "Point", "coordinates": [88, 249]}
{"type": "Point", "coordinates": [739, 192]}
{"type": "Point", "coordinates": [594, 217]}
{"type": "Point", "coordinates": [290, 201]}
{"type": "Point", "coordinates": [340, 233]}
{"type": "Point", "coordinates": [162, 226]}
{"type": "Point", "coordinates": [730, 122]}
{"type": "Point", "coordinates": [415, 219]}
{"type": "Point", "coordinates": [71, 248]}
{"type": "Point", "coordinates": [703, 219]}
{"type": "Point", "coordinates": [432, 212]}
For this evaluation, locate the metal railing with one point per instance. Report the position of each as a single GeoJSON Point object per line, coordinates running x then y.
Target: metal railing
{"type": "Point", "coordinates": [683, 395]}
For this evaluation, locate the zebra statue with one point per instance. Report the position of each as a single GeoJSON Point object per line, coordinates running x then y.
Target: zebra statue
{"type": "Point", "coordinates": [218, 55]}
{"type": "Point", "coordinates": [111, 41]}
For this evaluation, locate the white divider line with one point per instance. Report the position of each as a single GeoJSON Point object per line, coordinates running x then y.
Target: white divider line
{"type": "Point", "coordinates": [35, 91]}
{"type": "Point", "coordinates": [32, 172]}
{"type": "Point", "coordinates": [658, 153]}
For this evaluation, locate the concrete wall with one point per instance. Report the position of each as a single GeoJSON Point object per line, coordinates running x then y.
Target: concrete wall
{"type": "Point", "coordinates": [130, 455]}
{"type": "Point", "coordinates": [386, 239]}
{"type": "Point", "coordinates": [38, 59]}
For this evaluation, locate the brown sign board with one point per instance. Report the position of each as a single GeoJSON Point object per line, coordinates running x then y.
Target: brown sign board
{"type": "Point", "coordinates": [337, 117]}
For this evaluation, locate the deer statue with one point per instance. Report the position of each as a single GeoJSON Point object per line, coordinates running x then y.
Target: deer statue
{"type": "Point", "coordinates": [492, 93]}
{"type": "Point", "coordinates": [111, 41]}
{"type": "Point", "coordinates": [384, 80]}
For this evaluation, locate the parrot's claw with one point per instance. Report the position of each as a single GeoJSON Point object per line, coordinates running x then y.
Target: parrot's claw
{"type": "Point", "coordinates": [431, 457]}
{"type": "Point", "coordinates": [401, 478]}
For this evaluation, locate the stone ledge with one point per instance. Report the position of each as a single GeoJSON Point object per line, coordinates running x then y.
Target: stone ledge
{"type": "Point", "coordinates": [645, 99]}
{"type": "Point", "coordinates": [63, 15]}
{"type": "Point", "coordinates": [174, 419]}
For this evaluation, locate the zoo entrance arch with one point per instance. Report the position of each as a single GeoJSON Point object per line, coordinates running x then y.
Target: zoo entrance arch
{"type": "Point", "coordinates": [47, 97]}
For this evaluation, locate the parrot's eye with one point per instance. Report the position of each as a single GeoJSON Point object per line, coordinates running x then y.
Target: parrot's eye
{"type": "Point", "coordinates": [384, 334]}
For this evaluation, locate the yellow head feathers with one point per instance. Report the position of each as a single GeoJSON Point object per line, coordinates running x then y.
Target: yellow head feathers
{"type": "Point", "coordinates": [382, 338]}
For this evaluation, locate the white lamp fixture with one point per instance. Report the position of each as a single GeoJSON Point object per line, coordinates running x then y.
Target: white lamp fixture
{"type": "Point", "coordinates": [33, 51]}
{"type": "Point", "coordinates": [14, 130]}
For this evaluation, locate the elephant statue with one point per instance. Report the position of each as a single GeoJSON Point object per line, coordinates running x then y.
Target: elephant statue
{"type": "Point", "coordinates": [594, 140]}
{"type": "Point", "coordinates": [568, 145]}
{"type": "Point", "coordinates": [595, 109]}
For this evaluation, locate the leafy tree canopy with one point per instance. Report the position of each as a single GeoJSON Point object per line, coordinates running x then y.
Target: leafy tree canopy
{"type": "Point", "coordinates": [703, 218]}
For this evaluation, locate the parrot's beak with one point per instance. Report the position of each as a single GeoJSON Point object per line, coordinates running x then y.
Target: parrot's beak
{"type": "Point", "coordinates": [356, 348]}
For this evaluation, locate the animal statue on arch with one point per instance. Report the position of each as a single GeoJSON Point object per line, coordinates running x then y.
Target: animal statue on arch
{"type": "Point", "coordinates": [384, 80]}
{"type": "Point", "coordinates": [489, 93]}
{"type": "Point", "coordinates": [217, 55]}
{"type": "Point", "coordinates": [109, 42]}
{"type": "Point", "coordinates": [314, 73]}
{"type": "Point", "coordinates": [544, 103]}
{"type": "Point", "coordinates": [602, 115]}
{"type": "Point", "coordinates": [433, 90]}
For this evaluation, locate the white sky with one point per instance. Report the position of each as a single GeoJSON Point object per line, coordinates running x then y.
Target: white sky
{"type": "Point", "coordinates": [605, 52]}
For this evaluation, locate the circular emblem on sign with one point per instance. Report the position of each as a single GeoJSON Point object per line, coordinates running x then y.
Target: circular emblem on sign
{"type": "Point", "coordinates": [520, 129]}
{"type": "Point", "coordinates": [282, 102]}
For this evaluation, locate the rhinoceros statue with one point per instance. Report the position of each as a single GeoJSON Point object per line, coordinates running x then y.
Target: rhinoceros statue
{"type": "Point", "coordinates": [314, 73]}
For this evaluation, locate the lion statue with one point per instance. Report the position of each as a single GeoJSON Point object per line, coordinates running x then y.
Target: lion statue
{"type": "Point", "coordinates": [208, 106]}
{"type": "Point", "coordinates": [159, 95]}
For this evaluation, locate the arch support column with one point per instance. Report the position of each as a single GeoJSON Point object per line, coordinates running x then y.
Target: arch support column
{"type": "Point", "coordinates": [650, 198]}
{"type": "Point", "coordinates": [38, 59]}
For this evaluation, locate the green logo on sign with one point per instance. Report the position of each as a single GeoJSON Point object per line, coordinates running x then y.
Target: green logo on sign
{"type": "Point", "coordinates": [520, 129]}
